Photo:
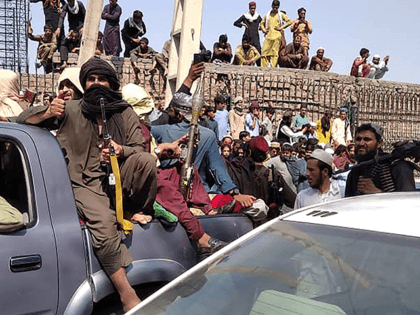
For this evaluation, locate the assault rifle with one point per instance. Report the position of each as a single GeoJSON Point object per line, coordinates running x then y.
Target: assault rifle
{"type": "Point", "coordinates": [275, 191]}
{"type": "Point", "coordinates": [114, 173]}
{"type": "Point", "coordinates": [187, 171]}
{"type": "Point", "coordinates": [402, 150]}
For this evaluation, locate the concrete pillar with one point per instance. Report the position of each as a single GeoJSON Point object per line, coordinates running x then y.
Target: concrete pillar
{"type": "Point", "coordinates": [90, 30]}
{"type": "Point", "coordinates": [186, 36]}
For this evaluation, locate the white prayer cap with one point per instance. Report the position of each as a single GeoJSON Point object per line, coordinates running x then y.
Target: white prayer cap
{"type": "Point", "coordinates": [313, 124]}
{"type": "Point", "coordinates": [323, 156]}
{"type": "Point", "coordinates": [330, 151]}
{"type": "Point", "coordinates": [377, 56]}
{"type": "Point", "coordinates": [320, 48]}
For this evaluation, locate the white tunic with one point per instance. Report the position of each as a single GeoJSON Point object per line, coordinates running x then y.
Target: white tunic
{"type": "Point", "coordinates": [311, 196]}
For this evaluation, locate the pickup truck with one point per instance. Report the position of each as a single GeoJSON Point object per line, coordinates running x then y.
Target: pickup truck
{"type": "Point", "coordinates": [49, 267]}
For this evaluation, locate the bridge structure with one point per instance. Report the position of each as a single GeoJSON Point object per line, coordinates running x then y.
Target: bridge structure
{"type": "Point", "coordinates": [13, 35]}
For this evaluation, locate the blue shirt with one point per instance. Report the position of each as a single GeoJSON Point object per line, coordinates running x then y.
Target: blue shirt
{"type": "Point", "coordinates": [248, 125]}
{"type": "Point", "coordinates": [222, 118]}
{"type": "Point", "coordinates": [299, 121]}
{"type": "Point", "coordinates": [206, 156]}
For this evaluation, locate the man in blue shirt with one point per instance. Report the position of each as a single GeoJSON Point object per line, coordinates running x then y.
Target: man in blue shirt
{"type": "Point", "coordinates": [206, 156]}
{"type": "Point", "coordinates": [252, 123]}
{"type": "Point", "coordinates": [221, 116]}
{"type": "Point", "coordinates": [300, 120]}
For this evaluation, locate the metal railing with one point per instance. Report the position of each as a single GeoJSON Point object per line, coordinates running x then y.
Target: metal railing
{"type": "Point", "coordinates": [394, 106]}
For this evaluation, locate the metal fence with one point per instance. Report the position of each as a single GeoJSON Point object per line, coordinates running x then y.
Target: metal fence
{"type": "Point", "coordinates": [395, 106]}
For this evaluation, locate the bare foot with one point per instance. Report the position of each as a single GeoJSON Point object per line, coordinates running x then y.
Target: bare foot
{"type": "Point", "coordinates": [131, 303]}
{"type": "Point", "coordinates": [141, 218]}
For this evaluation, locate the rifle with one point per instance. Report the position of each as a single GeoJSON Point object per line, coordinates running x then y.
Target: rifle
{"type": "Point", "coordinates": [187, 170]}
{"type": "Point", "coordinates": [114, 179]}
{"type": "Point", "coordinates": [275, 192]}
{"type": "Point", "coordinates": [402, 150]}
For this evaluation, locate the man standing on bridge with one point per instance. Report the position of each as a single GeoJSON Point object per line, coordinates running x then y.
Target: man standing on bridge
{"type": "Point", "coordinates": [272, 26]}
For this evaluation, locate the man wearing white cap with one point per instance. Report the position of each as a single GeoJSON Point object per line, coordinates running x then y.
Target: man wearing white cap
{"type": "Point", "coordinates": [319, 62]}
{"type": "Point", "coordinates": [378, 69]}
{"type": "Point", "coordinates": [340, 131]}
{"type": "Point", "coordinates": [319, 172]}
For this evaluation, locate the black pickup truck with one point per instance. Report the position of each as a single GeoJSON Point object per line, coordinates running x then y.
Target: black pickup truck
{"type": "Point", "coordinates": [49, 267]}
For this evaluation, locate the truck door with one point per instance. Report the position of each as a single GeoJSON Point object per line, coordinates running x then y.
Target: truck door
{"type": "Point", "coordinates": [28, 257]}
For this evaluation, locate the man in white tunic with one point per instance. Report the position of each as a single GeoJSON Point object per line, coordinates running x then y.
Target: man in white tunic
{"type": "Point", "coordinates": [340, 131]}
{"type": "Point", "coordinates": [377, 68]}
{"type": "Point", "coordinates": [323, 189]}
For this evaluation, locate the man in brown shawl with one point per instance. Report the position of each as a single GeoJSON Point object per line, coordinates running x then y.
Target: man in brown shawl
{"type": "Point", "coordinates": [294, 55]}
{"type": "Point", "coordinates": [80, 136]}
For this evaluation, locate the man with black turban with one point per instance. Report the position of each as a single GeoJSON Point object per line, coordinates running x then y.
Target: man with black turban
{"type": "Point", "coordinates": [80, 137]}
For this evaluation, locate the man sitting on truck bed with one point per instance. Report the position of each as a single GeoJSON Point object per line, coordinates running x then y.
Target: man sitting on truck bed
{"type": "Point", "coordinates": [79, 135]}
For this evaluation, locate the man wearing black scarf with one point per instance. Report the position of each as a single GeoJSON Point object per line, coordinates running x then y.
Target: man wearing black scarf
{"type": "Point", "coordinates": [79, 133]}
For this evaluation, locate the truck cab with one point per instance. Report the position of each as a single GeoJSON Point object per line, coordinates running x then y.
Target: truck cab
{"type": "Point", "coordinates": [48, 267]}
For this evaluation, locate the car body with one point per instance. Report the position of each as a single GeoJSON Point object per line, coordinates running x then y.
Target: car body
{"type": "Point", "coordinates": [352, 256]}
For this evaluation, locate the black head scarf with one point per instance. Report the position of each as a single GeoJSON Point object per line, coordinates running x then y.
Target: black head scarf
{"type": "Point", "coordinates": [114, 106]}
{"type": "Point", "coordinates": [98, 66]}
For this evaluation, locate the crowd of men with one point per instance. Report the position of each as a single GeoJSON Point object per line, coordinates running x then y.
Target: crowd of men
{"type": "Point", "coordinates": [241, 160]}
{"type": "Point", "coordinates": [275, 51]}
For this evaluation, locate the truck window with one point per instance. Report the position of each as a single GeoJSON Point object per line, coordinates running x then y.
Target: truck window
{"type": "Point", "coordinates": [14, 188]}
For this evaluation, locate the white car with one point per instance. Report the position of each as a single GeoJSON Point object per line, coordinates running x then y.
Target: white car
{"type": "Point", "coordinates": [353, 256]}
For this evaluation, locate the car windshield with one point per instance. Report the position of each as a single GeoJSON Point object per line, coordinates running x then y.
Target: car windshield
{"type": "Point", "coordinates": [297, 268]}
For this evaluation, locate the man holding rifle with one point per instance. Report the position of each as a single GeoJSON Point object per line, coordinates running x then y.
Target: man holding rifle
{"type": "Point", "coordinates": [81, 137]}
{"type": "Point", "coordinates": [371, 175]}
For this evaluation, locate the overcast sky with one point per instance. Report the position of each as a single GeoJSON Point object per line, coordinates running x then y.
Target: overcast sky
{"type": "Point", "coordinates": [342, 27]}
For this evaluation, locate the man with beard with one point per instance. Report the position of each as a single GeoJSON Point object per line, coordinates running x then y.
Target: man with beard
{"type": "Point", "coordinates": [246, 54]}
{"type": "Point", "coordinates": [237, 117]}
{"type": "Point", "coordinates": [319, 172]}
{"type": "Point", "coordinates": [80, 136]}
{"type": "Point", "coordinates": [251, 21]}
{"type": "Point", "coordinates": [284, 130]}
{"type": "Point", "coordinates": [133, 29]}
{"type": "Point", "coordinates": [319, 62]}
{"type": "Point", "coordinates": [294, 55]}
{"type": "Point", "coordinates": [378, 70]}
{"type": "Point", "coordinates": [371, 177]}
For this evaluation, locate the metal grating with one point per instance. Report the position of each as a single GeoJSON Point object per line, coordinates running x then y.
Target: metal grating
{"type": "Point", "coordinates": [13, 35]}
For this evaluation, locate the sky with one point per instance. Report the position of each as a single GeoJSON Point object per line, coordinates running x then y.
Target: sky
{"type": "Point", "coordinates": [342, 27]}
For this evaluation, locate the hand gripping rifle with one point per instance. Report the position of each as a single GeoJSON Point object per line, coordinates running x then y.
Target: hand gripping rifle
{"type": "Point", "coordinates": [187, 171]}
{"type": "Point", "coordinates": [114, 174]}
{"type": "Point", "coordinates": [402, 150]}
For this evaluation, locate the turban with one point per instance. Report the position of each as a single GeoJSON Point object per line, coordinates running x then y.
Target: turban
{"type": "Point", "coordinates": [99, 66]}
{"type": "Point", "coordinates": [139, 98]}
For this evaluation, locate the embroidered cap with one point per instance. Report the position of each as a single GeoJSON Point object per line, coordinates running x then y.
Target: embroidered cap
{"type": "Point", "coordinates": [323, 156]}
